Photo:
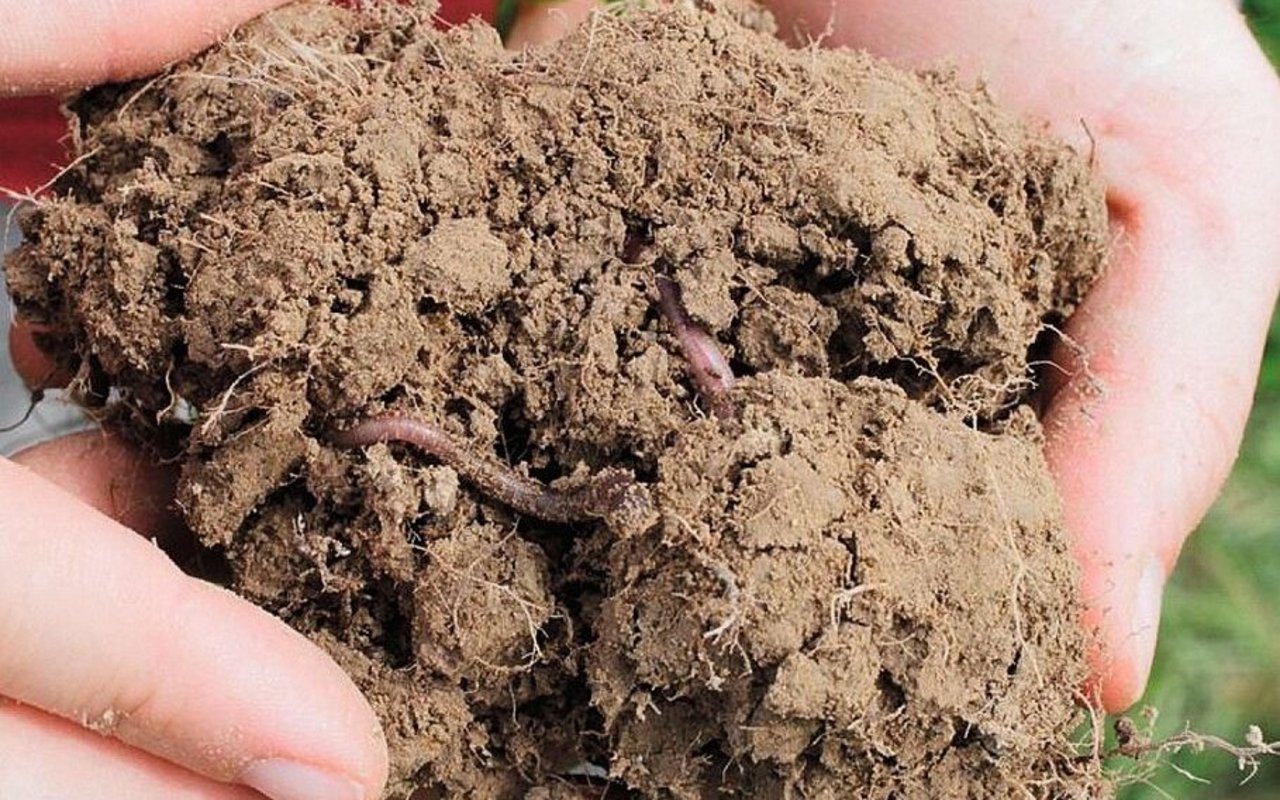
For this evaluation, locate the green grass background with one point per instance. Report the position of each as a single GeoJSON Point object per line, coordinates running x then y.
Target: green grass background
{"type": "Point", "coordinates": [1217, 666]}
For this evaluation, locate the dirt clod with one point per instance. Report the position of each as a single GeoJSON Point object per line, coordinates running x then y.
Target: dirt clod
{"type": "Point", "coordinates": [855, 583]}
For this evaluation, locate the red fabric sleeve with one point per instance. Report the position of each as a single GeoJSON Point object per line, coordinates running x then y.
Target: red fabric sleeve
{"type": "Point", "coordinates": [32, 130]}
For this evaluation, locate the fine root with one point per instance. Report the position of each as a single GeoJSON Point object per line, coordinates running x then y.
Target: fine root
{"type": "Point", "coordinates": [1137, 743]}
{"type": "Point", "coordinates": [605, 492]}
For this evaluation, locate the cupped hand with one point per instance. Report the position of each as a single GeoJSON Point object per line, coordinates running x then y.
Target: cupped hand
{"type": "Point", "coordinates": [119, 675]}
{"type": "Point", "coordinates": [1181, 112]}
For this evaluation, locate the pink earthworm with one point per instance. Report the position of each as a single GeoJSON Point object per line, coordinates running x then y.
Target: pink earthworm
{"type": "Point", "coordinates": [710, 370]}
{"type": "Point", "coordinates": [603, 493]}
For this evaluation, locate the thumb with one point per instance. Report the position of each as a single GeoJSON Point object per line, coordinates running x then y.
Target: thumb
{"type": "Point", "coordinates": [100, 626]}
{"type": "Point", "coordinates": [1145, 432]}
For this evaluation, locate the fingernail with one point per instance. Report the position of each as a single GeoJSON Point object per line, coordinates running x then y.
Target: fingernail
{"type": "Point", "coordinates": [289, 780]}
{"type": "Point", "coordinates": [1146, 615]}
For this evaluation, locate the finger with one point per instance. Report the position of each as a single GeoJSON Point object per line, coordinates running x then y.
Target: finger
{"type": "Point", "coordinates": [1183, 111]}
{"type": "Point", "coordinates": [100, 627]}
{"type": "Point", "coordinates": [65, 44]}
{"type": "Point", "coordinates": [118, 479]}
{"type": "Point", "coordinates": [115, 478]}
{"type": "Point", "coordinates": [545, 22]}
{"type": "Point", "coordinates": [37, 370]}
{"type": "Point", "coordinates": [46, 757]}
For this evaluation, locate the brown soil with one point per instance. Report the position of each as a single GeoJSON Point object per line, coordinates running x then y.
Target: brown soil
{"type": "Point", "coordinates": [856, 584]}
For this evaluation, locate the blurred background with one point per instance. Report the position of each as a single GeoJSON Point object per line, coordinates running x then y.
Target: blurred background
{"type": "Point", "coordinates": [1217, 667]}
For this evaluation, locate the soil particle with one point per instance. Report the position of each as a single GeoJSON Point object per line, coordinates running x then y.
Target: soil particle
{"type": "Point", "coordinates": [855, 583]}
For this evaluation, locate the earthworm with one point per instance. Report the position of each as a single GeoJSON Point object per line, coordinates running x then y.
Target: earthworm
{"type": "Point", "coordinates": [710, 370]}
{"type": "Point", "coordinates": [603, 493]}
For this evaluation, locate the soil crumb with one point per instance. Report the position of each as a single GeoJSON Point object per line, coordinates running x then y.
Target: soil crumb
{"type": "Point", "coordinates": [854, 583]}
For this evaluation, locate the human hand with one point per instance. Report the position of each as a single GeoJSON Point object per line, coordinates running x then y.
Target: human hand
{"type": "Point", "coordinates": [200, 693]}
{"type": "Point", "coordinates": [1181, 112]}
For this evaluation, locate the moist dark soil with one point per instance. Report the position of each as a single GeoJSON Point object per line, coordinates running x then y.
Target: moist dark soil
{"type": "Point", "coordinates": [855, 584]}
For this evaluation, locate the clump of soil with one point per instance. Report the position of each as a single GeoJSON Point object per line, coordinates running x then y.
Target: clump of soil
{"type": "Point", "coordinates": [855, 584]}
